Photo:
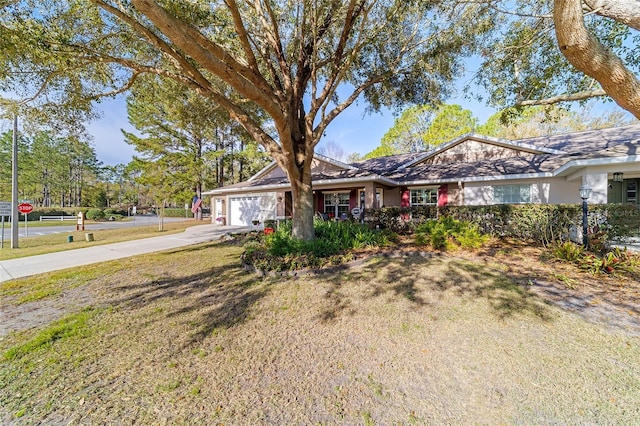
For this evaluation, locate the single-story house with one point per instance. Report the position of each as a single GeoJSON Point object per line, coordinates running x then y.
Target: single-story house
{"type": "Point", "coordinates": [469, 170]}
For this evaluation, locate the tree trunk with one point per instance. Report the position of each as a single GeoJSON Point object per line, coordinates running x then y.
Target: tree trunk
{"type": "Point", "coordinates": [589, 56]}
{"type": "Point", "coordinates": [303, 209]}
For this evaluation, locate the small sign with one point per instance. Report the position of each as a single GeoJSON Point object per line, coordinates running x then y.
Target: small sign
{"type": "Point", "coordinates": [80, 222]}
{"type": "Point", "coordinates": [25, 208]}
{"type": "Point", "coordinates": [5, 208]}
{"type": "Point", "coordinates": [133, 210]}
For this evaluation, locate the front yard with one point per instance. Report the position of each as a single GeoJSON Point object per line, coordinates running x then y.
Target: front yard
{"type": "Point", "coordinates": [188, 337]}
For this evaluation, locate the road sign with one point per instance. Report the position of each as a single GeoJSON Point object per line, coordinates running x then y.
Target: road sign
{"type": "Point", "coordinates": [5, 208]}
{"type": "Point", "coordinates": [25, 208]}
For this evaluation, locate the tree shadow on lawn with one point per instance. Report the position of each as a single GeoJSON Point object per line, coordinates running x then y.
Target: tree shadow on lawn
{"type": "Point", "coordinates": [500, 289]}
{"type": "Point", "coordinates": [219, 297]}
{"type": "Point", "coordinates": [403, 285]}
{"type": "Point", "coordinates": [423, 280]}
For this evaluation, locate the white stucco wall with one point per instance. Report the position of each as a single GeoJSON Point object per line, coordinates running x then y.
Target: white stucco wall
{"type": "Point", "coordinates": [477, 194]}
{"type": "Point", "coordinates": [597, 181]}
{"type": "Point", "coordinates": [545, 191]}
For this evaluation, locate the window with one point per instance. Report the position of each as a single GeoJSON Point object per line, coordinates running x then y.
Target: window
{"type": "Point", "coordinates": [512, 194]}
{"type": "Point", "coordinates": [336, 204]}
{"type": "Point", "coordinates": [424, 197]}
{"type": "Point", "coordinates": [632, 192]}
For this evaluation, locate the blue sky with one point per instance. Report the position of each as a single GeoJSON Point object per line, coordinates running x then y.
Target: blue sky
{"type": "Point", "coordinates": [351, 130]}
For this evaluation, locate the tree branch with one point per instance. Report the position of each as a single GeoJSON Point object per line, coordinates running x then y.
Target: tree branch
{"type": "Point", "coordinates": [589, 56]}
{"type": "Point", "coordinates": [242, 33]}
{"type": "Point", "coordinates": [567, 97]}
{"type": "Point", "coordinates": [211, 56]}
{"type": "Point", "coordinates": [623, 11]}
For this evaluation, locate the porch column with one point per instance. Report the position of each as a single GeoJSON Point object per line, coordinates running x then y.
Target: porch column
{"type": "Point", "coordinates": [280, 206]}
{"type": "Point", "coordinates": [369, 195]}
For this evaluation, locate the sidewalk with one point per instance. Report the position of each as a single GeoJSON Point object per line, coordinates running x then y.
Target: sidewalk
{"type": "Point", "coordinates": [32, 265]}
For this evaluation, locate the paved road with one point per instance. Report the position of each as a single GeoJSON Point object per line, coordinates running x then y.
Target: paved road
{"type": "Point", "coordinates": [26, 266]}
{"type": "Point", "coordinates": [70, 226]}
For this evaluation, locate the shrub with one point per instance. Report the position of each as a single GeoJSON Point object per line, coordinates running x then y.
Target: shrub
{"type": "Point", "coordinates": [543, 223]}
{"type": "Point", "coordinates": [174, 212]}
{"type": "Point", "coordinates": [448, 233]}
{"type": "Point", "coordinates": [610, 262]}
{"type": "Point", "coordinates": [95, 214]}
{"type": "Point", "coordinates": [280, 251]}
{"type": "Point", "coordinates": [568, 251]}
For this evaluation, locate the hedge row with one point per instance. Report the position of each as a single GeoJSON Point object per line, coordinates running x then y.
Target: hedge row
{"type": "Point", "coordinates": [545, 223]}
{"type": "Point", "coordinates": [35, 215]}
{"type": "Point", "coordinates": [99, 214]}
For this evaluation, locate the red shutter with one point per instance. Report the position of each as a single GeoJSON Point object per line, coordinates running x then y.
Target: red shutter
{"type": "Point", "coordinates": [405, 197]}
{"type": "Point", "coordinates": [443, 195]}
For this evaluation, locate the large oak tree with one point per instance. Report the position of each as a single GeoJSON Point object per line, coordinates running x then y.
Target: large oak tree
{"type": "Point", "coordinates": [301, 62]}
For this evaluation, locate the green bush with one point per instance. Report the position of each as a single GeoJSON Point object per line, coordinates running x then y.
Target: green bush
{"type": "Point", "coordinates": [175, 212]}
{"type": "Point", "coordinates": [543, 223]}
{"type": "Point", "coordinates": [615, 260]}
{"type": "Point", "coordinates": [568, 251]}
{"type": "Point", "coordinates": [280, 251]}
{"type": "Point", "coordinates": [49, 211]}
{"type": "Point", "coordinates": [448, 233]}
{"type": "Point", "coordinates": [95, 214]}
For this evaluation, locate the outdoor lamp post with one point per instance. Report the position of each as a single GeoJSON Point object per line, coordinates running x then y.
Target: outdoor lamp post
{"type": "Point", "coordinates": [585, 192]}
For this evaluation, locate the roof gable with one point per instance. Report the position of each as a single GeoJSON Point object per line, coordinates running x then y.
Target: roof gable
{"type": "Point", "coordinates": [320, 163]}
{"type": "Point", "coordinates": [475, 147]}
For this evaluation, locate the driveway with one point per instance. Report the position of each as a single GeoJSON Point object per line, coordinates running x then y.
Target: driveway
{"type": "Point", "coordinates": [26, 266]}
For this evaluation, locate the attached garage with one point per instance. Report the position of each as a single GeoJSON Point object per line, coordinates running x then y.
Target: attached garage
{"type": "Point", "coordinates": [243, 210]}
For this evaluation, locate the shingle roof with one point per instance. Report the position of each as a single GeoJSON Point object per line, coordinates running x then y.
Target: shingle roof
{"type": "Point", "coordinates": [459, 171]}
{"type": "Point", "coordinates": [591, 144]}
{"type": "Point", "coordinates": [588, 141]}
{"type": "Point", "coordinates": [385, 165]}
{"type": "Point", "coordinates": [604, 143]}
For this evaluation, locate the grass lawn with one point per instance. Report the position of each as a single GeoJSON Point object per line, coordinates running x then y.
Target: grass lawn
{"type": "Point", "coordinates": [190, 338]}
{"type": "Point", "coordinates": [31, 246]}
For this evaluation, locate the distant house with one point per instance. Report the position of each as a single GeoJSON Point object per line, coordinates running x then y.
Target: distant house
{"type": "Point", "coordinates": [470, 170]}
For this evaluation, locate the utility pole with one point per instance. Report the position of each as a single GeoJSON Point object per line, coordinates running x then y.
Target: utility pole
{"type": "Point", "coordinates": [15, 216]}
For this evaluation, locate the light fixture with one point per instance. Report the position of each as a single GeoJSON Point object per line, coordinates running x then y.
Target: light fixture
{"type": "Point", "coordinates": [585, 192]}
{"type": "Point", "coordinates": [617, 177]}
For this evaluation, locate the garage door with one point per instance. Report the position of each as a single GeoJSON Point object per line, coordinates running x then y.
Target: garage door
{"type": "Point", "coordinates": [245, 209]}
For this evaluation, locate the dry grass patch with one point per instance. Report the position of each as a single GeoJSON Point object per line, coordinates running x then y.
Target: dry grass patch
{"type": "Point", "coordinates": [187, 337]}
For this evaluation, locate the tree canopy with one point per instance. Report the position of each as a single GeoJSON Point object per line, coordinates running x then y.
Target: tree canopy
{"type": "Point", "coordinates": [288, 58]}
{"type": "Point", "coordinates": [422, 127]}
{"type": "Point", "coordinates": [419, 129]}
{"type": "Point", "coordinates": [52, 170]}
{"type": "Point", "coordinates": [563, 51]}
{"type": "Point", "coordinates": [187, 140]}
